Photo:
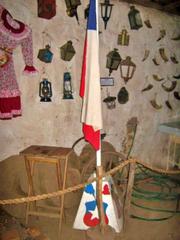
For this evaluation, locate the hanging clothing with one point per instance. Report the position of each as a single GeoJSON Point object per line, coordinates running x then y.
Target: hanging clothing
{"type": "Point", "coordinates": [12, 34]}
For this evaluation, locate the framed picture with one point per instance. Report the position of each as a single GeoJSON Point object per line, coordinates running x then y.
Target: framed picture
{"type": "Point", "coordinates": [107, 81]}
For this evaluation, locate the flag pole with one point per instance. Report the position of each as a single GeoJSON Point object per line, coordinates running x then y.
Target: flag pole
{"type": "Point", "coordinates": [99, 167]}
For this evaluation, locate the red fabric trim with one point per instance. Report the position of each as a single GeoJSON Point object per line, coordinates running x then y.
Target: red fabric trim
{"type": "Point", "coordinates": [30, 68]}
{"type": "Point", "coordinates": [83, 73]}
{"type": "Point", "coordinates": [10, 117]}
{"type": "Point", "coordinates": [93, 137]}
{"type": "Point", "coordinates": [10, 105]}
{"type": "Point", "coordinates": [8, 26]}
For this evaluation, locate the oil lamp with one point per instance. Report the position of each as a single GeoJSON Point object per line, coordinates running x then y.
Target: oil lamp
{"type": "Point", "coordinates": [127, 69]}
{"type": "Point", "coordinates": [110, 102]}
{"type": "Point", "coordinates": [45, 91]}
{"type": "Point", "coordinates": [135, 18]}
{"type": "Point", "coordinates": [86, 12]}
{"type": "Point", "coordinates": [45, 55]}
{"type": "Point", "coordinates": [71, 6]}
{"type": "Point", "coordinates": [123, 38]}
{"type": "Point", "coordinates": [113, 60]}
{"type": "Point", "coordinates": [67, 88]}
{"type": "Point", "coordinates": [46, 8]}
{"type": "Point", "coordinates": [106, 9]}
{"type": "Point", "coordinates": [67, 51]}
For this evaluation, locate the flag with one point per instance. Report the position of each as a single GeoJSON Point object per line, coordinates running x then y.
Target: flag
{"type": "Point", "coordinates": [90, 90]}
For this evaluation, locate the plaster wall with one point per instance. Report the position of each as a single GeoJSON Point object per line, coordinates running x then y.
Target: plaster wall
{"type": "Point", "coordinates": [58, 123]}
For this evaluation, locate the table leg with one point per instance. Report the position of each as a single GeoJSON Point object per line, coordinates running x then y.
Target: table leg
{"type": "Point", "coordinates": [59, 180]}
{"type": "Point", "coordinates": [127, 202]}
{"type": "Point", "coordinates": [169, 150]}
{"type": "Point", "coordinates": [62, 197]}
{"type": "Point", "coordinates": [174, 151]}
{"type": "Point", "coordinates": [30, 171]}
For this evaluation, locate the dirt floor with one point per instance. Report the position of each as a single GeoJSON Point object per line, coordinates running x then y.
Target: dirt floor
{"type": "Point", "coordinates": [47, 229]}
{"type": "Point", "coordinates": [156, 193]}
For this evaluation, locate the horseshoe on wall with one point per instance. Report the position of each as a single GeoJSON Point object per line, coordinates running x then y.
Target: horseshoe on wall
{"type": "Point", "coordinates": [171, 88]}
{"type": "Point", "coordinates": [146, 54]}
{"type": "Point", "coordinates": [157, 78]}
{"type": "Point", "coordinates": [162, 34]}
{"type": "Point", "coordinates": [163, 54]}
{"type": "Point", "coordinates": [149, 87]}
{"type": "Point", "coordinates": [174, 59]}
{"type": "Point", "coordinates": [176, 38]}
{"type": "Point", "coordinates": [155, 61]}
{"type": "Point", "coordinates": [177, 95]}
{"type": "Point", "coordinates": [176, 77]}
{"type": "Point", "coordinates": [168, 105]}
{"type": "Point", "coordinates": [155, 104]}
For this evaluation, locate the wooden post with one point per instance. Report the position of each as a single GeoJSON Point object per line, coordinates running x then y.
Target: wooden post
{"type": "Point", "coordinates": [62, 197]}
{"type": "Point", "coordinates": [127, 202]}
{"type": "Point", "coordinates": [99, 172]}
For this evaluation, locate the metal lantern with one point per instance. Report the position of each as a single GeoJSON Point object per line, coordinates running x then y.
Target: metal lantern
{"type": "Point", "coordinates": [123, 38]}
{"type": "Point", "coordinates": [86, 12]}
{"type": "Point", "coordinates": [46, 8]}
{"type": "Point", "coordinates": [110, 102]}
{"type": "Point", "coordinates": [106, 9]}
{"type": "Point", "coordinates": [67, 89]}
{"type": "Point", "coordinates": [45, 91]}
{"type": "Point", "coordinates": [67, 51]}
{"type": "Point", "coordinates": [71, 6]}
{"type": "Point", "coordinates": [45, 55]}
{"type": "Point", "coordinates": [123, 96]}
{"type": "Point", "coordinates": [135, 18]}
{"type": "Point", "coordinates": [113, 60]}
{"type": "Point", "coordinates": [127, 69]}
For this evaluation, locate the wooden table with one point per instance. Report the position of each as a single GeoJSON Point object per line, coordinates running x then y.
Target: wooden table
{"type": "Point", "coordinates": [48, 155]}
{"type": "Point", "coordinates": [173, 129]}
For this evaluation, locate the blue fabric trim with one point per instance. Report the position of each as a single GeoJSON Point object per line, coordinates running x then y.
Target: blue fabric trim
{"type": "Point", "coordinates": [91, 25]}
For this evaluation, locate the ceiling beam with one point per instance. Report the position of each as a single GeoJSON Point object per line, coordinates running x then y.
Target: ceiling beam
{"type": "Point", "coordinates": [172, 5]}
{"type": "Point", "coordinates": [145, 3]}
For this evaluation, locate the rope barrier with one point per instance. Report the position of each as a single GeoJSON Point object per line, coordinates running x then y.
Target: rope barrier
{"type": "Point", "coordinates": [82, 185]}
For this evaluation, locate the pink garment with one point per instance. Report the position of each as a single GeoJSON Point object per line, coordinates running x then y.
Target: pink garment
{"type": "Point", "coordinates": [12, 34]}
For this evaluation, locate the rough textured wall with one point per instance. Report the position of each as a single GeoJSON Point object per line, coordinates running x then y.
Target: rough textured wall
{"type": "Point", "coordinates": [58, 123]}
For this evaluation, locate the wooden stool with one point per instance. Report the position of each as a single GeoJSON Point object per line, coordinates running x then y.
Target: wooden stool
{"type": "Point", "coordinates": [48, 155]}
{"type": "Point", "coordinates": [173, 130]}
{"type": "Point", "coordinates": [173, 142]}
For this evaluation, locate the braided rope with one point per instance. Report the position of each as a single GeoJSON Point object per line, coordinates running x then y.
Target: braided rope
{"type": "Point", "coordinates": [82, 185]}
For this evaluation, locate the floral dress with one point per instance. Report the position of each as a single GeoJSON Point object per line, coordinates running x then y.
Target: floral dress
{"type": "Point", "coordinates": [12, 34]}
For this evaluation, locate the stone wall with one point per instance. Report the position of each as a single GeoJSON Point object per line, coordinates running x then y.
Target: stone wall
{"type": "Point", "coordinates": [58, 123]}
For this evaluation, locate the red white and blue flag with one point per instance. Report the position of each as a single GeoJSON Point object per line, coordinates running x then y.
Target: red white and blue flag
{"type": "Point", "coordinates": [90, 90]}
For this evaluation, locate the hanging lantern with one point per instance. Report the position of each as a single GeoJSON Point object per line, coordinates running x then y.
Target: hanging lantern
{"type": "Point", "coordinates": [46, 8]}
{"type": "Point", "coordinates": [110, 102]}
{"type": "Point", "coordinates": [45, 91]}
{"type": "Point", "coordinates": [106, 9]}
{"type": "Point", "coordinates": [135, 18]}
{"type": "Point", "coordinates": [71, 6]}
{"type": "Point", "coordinates": [67, 89]}
{"type": "Point", "coordinates": [127, 69]}
{"type": "Point", "coordinates": [113, 60]}
{"type": "Point", "coordinates": [67, 51]}
{"type": "Point", "coordinates": [86, 12]}
{"type": "Point", "coordinates": [123, 38]}
{"type": "Point", "coordinates": [45, 55]}
{"type": "Point", "coordinates": [123, 96]}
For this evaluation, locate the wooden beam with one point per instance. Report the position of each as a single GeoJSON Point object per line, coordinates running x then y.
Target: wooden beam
{"type": "Point", "coordinates": [129, 190]}
{"type": "Point", "coordinates": [144, 3]}
{"type": "Point", "coordinates": [172, 6]}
